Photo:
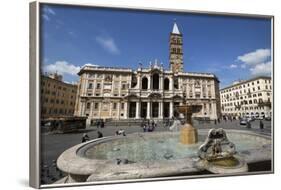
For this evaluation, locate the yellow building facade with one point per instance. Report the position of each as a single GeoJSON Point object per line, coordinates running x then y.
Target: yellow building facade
{"type": "Point", "coordinates": [57, 97]}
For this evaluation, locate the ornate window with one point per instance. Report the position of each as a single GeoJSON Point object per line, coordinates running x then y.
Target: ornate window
{"type": "Point", "coordinates": [155, 81]}
{"type": "Point", "coordinates": [88, 105]}
{"type": "Point", "coordinates": [166, 84]}
{"type": "Point", "coordinates": [144, 83]}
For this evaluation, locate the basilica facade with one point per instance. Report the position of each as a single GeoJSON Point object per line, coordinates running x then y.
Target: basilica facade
{"type": "Point", "coordinates": [152, 92]}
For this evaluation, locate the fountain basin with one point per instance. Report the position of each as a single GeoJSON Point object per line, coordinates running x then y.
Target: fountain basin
{"type": "Point", "coordinates": [146, 155]}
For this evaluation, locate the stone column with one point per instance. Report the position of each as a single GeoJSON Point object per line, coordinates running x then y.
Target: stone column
{"type": "Point", "coordinates": [137, 110]}
{"type": "Point", "coordinates": [148, 110]}
{"type": "Point", "coordinates": [139, 82]}
{"type": "Point", "coordinates": [126, 110]}
{"type": "Point", "coordinates": [171, 109]}
{"type": "Point", "coordinates": [82, 108]}
{"type": "Point", "coordinates": [84, 83]}
{"type": "Point", "coordinates": [161, 82]}
{"type": "Point", "coordinates": [149, 83]}
{"type": "Point", "coordinates": [214, 110]}
{"type": "Point", "coordinates": [160, 115]}
{"type": "Point", "coordinates": [100, 106]}
{"type": "Point", "coordinates": [110, 109]}
{"type": "Point", "coordinates": [207, 110]}
{"type": "Point", "coordinates": [118, 110]}
{"type": "Point", "coordinates": [171, 84]}
{"type": "Point", "coordinates": [91, 110]}
{"type": "Point", "coordinates": [120, 86]}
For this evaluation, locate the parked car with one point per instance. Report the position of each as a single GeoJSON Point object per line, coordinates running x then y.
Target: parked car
{"type": "Point", "coordinates": [268, 118]}
{"type": "Point", "coordinates": [245, 120]}
{"type": "Point", "coordinates": [260, 118]}
{"type": "Point", "coordinates": [249, 119]}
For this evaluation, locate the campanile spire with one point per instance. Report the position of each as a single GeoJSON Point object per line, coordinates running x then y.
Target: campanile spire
{"type": "Point", "coordinates": [176, 50]}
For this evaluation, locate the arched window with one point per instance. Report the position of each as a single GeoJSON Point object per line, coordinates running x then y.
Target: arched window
{"type": "Point", "coordinates": [144, 83]}
{"type": "Point", "coordinates": [155, 80]}
{"type": "Point", "coordinates": [166, 84]}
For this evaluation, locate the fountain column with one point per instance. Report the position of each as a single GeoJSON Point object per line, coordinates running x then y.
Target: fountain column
{"type": "Point", "coordinates": [188, 134]}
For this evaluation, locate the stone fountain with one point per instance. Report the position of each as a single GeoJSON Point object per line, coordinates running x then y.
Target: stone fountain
{"type": "Point", "coordinates": [165, 154]}
{"type": "Point", "coordinates": [188, 134]}
{"type": "Point", "coordinates": [218, 155]}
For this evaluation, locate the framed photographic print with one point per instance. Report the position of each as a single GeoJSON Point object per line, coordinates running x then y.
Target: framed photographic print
{"type": "Point", "coordinates": [131, 94]}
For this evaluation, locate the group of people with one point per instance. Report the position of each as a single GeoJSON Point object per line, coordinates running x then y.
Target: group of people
{"type": "Point", "coordinates": [100, 124]}
{"type": "Point", "coordinates": [86, 137]}
{"type": "Point", "coordinates": [149, 126]}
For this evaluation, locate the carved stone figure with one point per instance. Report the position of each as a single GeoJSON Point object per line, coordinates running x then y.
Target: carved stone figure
{"type": "Point", "coordinates": [216, 146]}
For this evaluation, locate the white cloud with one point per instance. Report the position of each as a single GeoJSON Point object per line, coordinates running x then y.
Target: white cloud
{"type": "Point", "coordinates": [50, 11]}
{"type": "Point", "coordinates": [258, 62]}
{"type": "Point", "coordinates": [255, 57]}
{"type": "Point", "coordinates": [108, 44]}
{"type": "Point", "coordinates": [261, 69]}
{"type": "Point", "coordinates": [233, 66]}
{"type": "Point", "coordinates": [90, 64]}
{"type": "Point", "coordinates": [46, 17]}
{"type": "Point", "coordinates": [62, 67]}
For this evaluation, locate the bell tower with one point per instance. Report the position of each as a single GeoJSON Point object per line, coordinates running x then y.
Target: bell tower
{"type": "Point", "coordinates": [176, 51]}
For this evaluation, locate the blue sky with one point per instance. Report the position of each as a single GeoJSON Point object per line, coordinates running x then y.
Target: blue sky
{"type": "Point", "coordinates": [231, 47]}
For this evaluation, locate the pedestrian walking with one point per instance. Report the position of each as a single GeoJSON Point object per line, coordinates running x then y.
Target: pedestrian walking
{"type": "Point", "coordinates": [150, 128]}
{"type": "Point", "coordinates": [261, 125]}
{"type": "Point", "coordinates": [248, 125]}
{"type": "Point", "coordinates": [98, 123]}
{"type": "Point", "coordinates": [144, 127]}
